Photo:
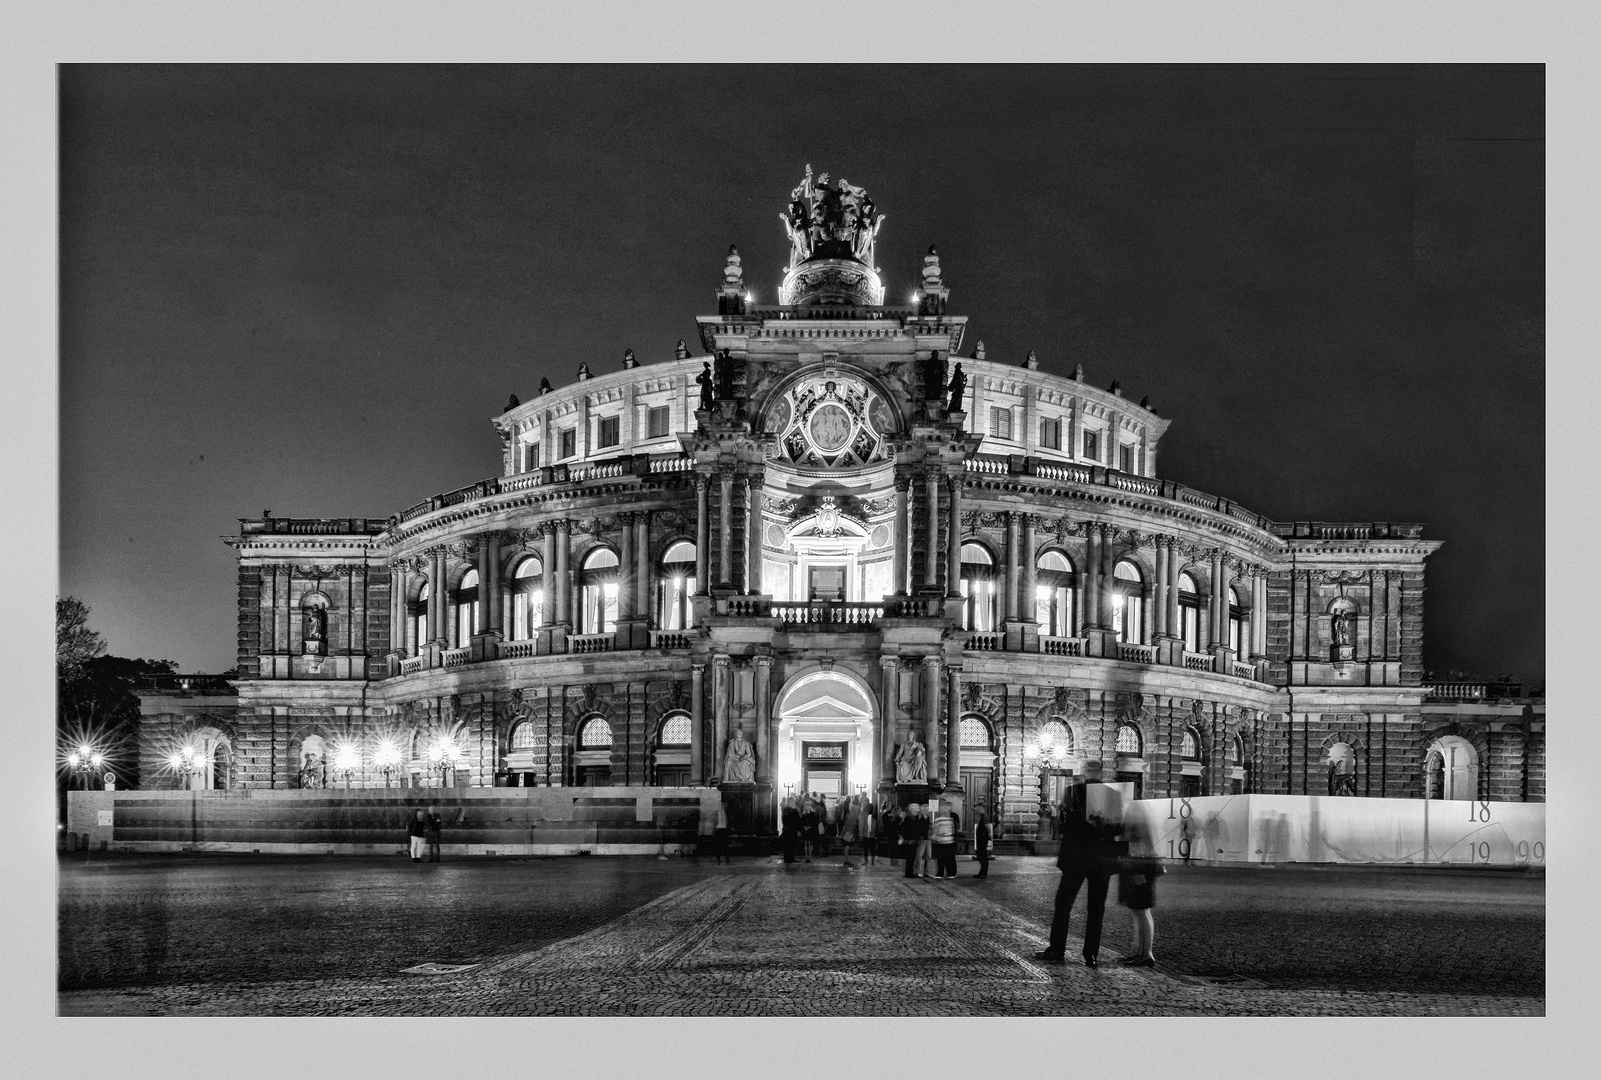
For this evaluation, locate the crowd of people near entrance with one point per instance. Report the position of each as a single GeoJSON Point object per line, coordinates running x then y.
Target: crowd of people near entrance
{"type": "Point", "coordinates": [812, 826]}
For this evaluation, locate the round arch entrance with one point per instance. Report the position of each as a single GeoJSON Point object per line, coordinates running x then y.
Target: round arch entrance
{"type": "Point", "coordinates": [826, 721]}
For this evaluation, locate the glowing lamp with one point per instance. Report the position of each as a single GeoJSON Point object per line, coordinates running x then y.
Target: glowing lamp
{"type": "Point", "coordinates": [73, 759]}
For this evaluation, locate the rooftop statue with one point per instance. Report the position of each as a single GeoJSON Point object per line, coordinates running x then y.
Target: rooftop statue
{"type": "Point", "coordinates": [827, 221]}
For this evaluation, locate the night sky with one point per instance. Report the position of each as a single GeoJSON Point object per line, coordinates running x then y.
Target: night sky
{"type": "Point", "coordinates": [307, 289]}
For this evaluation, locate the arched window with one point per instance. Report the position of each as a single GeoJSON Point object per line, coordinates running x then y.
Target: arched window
{"type": "Point", "coordinates": [598, 589]}
{"type": "Point", "coordinates": [974, 733]}
{"type": "Point", "coordinates": [677, 585]}
{"type": "Point", "coordinates": [1056, 739]}
{"type": "Point", "coordinates": [1189, 627]}
{"type": "Point", "coordinates": [1237, 751]}
{"type": "Point", "coordinates": [522, 737]}
{"type": "Point", "coordinates": [674, 731]}
{"type": "Point", "coordinates": [592, 761]}
{"type": "Point", "coordinates": [419, 620]}
{"type": "Point", "coordinates": [596, 735]}
{"type": "Point", "coordinates": [527, 598]}
{"type": "Point", "coordinates": [1189, 745]}
{"type": "Point", "coordinates": [1453, 769]}
{"type": "Point", "coordinates": [1341, 767]}
{"type": "Point", "coordinates": [1237, 640]}
{"type": "Point", "coordinates": [978, 588]}
{"type": "Point", "coordinates": [221, 759]}
{"type": "Point", "coordinates": [1054, 600]}
{"type": "Point", "coordinates": [465, 608]}
{"type": "Point", "coordinates": [1436, 775]}
{"type": "Point", "coordinates": [1129, 743]}
{"type": "Point", "coordinates": [1127, 586]}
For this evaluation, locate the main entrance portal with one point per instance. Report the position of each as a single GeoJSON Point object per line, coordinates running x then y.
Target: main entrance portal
{"type": "Point", "coordinates": [825, 736]}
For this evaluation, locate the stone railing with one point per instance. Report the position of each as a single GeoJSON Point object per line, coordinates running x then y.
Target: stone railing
{"type": "Point", "coordinates": [1244, 671]}
{"type": "Point", "coordinates": [590, 643]}
{"type": "Point", "coordinates": [1198, 661]}
{"type": "Point", "coordinates": [1062, 646]}
{"type": "Point", "coordinates": [313, 526]}
{"type": "Point", "coordinates": [747, 607]}
{"type": "Point", "coordinates": [413, 664]}
{"type": "Point", "coordinates": [914, 607]}
{"type": "Point", "coordinates": [669, 639]}
{"type": "Point", "coordinates": [523, 482]}
{"type": "Point", "coordinates": [671, 464]}
{"type": "Point", "coordinates": [455, 657]}
{"type": "Point", "coordinates": [1136, 654]}
{"type": "Point", "coordinates": [517, 650]}
{"type": "Point", "coordinates": [827, 613]}
{"type": "Point", "coordinates": [1347, 530]}
{"type": "Point", "coordinates": [984, 641]}
{"type": "Point", "coordinates": [1053, 471]}
{"type": "Point", "coordinates": [985, 465]}
{"type": "Point", "coordinates": [603, 471]}
{"type": "Point", "coordinates": [186, 684]}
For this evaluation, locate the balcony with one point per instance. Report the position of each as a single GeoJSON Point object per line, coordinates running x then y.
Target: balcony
{"type": "Point", "coordinates": [820, 614]}
{"type": "Point", "coordinates": [1062, 646]}
{"type": "Point", "coordinates": [985, 641]}
{"type": "Point", "coordinates": [1136, 654]}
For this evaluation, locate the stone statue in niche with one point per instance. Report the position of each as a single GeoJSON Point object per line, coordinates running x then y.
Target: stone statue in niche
{"type": "Point", "coordinates": [312, 774]}
{"type": "Point", "coordinates": [1342, 626]}
{"type": "Point", "coordinates": [314, 631]}
{"type": "Point", "coordinates": [1341, 781]}
{"type": "Point", "coordinates": [958, 387]}
{"type": "Point", "coordinates": [706, 379]}
{"type": "Point", "coordinates": [724, 371]}
{"type": "Point", "coordinates": [933, 377]}
{"type": "Point", "coordinates": [739, 764]}
{"type": "Point", "coordinates": [911, 761]}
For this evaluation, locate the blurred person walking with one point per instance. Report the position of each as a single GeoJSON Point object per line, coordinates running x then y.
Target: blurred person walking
{"type": "Point", "coordinates": [943, 830]}
{"type": "Point", "coordinates": [435, 824]}
{"type": "Point", "coordinates": [417, 829]}
{"type": "Point", "coordinates": [1085, 859]}
{"type": "Point", "coordinates": [1136, 890]}
{"type": "Point", "coordinates": [981, 844]}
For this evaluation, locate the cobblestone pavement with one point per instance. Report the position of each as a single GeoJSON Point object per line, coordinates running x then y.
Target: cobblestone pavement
{"type": "Point", "coordinates": [754, 939]}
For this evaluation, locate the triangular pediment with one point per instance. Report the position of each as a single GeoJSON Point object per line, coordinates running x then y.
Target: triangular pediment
{"type": "Point", "coordinates": [827, 705]}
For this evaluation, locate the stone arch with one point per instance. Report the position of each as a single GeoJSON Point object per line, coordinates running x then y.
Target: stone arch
{"type": "Point", "coordinates": [1461, 765]}
{"type": "Point", "coordinates": [762, 404]}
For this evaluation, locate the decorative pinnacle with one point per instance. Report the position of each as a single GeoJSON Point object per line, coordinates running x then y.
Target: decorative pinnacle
{"type": "Point", "coordinates": [583, 372]}
{"type": "Point", "coordinates": [1032, 362]}
{"type": "Point", "coordinates": [628, 359]}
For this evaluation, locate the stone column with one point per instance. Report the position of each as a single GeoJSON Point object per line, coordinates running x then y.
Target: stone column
{"type": "Point", "coordinates": [1092, 576]}
{"type": "Point", "coordinates": [903, 536]}
{"type": "Point", "coordinates": [931, 556]}
{"type": "Point", "coordinates": [439, 600]}
{"type": "Point", "coordinates": [953, 546]}
{"type": "Point", "coordinates": [409, 624]}
{"type": "Point", "coordinates": [547, 574]}
{"type": "Point", "coordinates": [725, 538]}
{"type": "Point", "coordinates": [1014, 576]}
{"type": "Point", "coordinates": [397, 608]}
{"type": "Point", "coordinates": [931, 710]}
{"type": "Point", "coordinates": [1174, 560]}
{"type": "Point", "coordinates": [889, 672]}
{"type": "Point", "coordinates": [642, 570]}
{"type": "Point", "coordinates": [1027, 601]}
{"type": "Point", "coordinates": [753, 535]}
{"type": "Point", "coordinates": [1259, 617]}
{"type": "Point", "coordinates": [953, 729]}
{"type": "Point", "coordinates": [703, 537]}
{"type": "Point", "coordinates": [1220, 601]}
{"type": "Point", "coordinates": [697, 718]}
{"type": "Point", "coordinates": [1160, 605]}
{"type": "Point", "coordinates": [564, 582]}
{"type": "Point", "coordinates": [625, 574]}
{"type": "Point", "coordinates": [762, 669]}
{"type": "Point", "coordinates": [722, 684]}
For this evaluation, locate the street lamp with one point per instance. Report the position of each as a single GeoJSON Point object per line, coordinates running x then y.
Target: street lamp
{"type": "Point", "coordinates": [1045, 754]}
{"type": "Point", "coordinates": [347, 762]}
{"type": "Point", "coordinates": [443, 756]}
{"type": "Point", "coordinates": [83, 762]}
{"type": "Point", "coordinates": [388, 759]}
{"type": "Point", "coordinates": [187, 762]}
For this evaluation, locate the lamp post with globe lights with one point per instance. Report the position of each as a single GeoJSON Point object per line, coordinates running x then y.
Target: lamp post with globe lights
{"type": "Point", "coordinates": [347, 762]}
{"type": "Point", "coordinates": [388, 760]}
{"type": "Point", "coordinates": [188, 763]}
{"type": "Point", "coordinates": [1045, 753]}
{"type": "Point", "coordinates": [83, 761]}
{"type": "Point", "coordinates": [444, 756]}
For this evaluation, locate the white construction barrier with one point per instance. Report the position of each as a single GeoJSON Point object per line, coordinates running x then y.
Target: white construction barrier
{"type": "Point", "coordinates": [1337, 829]}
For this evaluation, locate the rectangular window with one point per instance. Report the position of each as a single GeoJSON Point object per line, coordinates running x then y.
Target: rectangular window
{"type": "Point", "coordinates": [530, 456]}
{"type": "Point", "coordinates": [1092, 445]}
{"type": "Point", "coordinates": [569, 443]}
{"type": "Point", "coordinates": [607, 435]}
{"type": "Point", "coordinates": [1125, 458]}
{"type": "Point", "coordinates": [658, 422]}
{"type": "Point", "coordinates": [1001, 423]}
{"type": "Point", "coordinates": [1051, 434]}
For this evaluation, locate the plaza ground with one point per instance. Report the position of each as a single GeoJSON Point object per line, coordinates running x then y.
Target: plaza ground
{"type": "Point", "coordinates": [256, 935]}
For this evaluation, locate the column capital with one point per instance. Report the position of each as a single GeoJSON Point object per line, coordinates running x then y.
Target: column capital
{"type": "Point", "coordinates": [722, 660]}
{"type": "Point", "coordinates": [762, 661]}
{"type": "Point", "coordinates": [887, 662]}
{"type": "Point", "coordinates": [697, 670]}
{"type": "Point", "coordinates": [932, 661]}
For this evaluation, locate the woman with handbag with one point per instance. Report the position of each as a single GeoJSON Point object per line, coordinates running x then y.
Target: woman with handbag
{"type": "Point", "coordinates": [1136, 890]}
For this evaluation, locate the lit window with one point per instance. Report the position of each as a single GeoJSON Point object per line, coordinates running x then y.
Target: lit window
{"type": "Point", "coordinates": [1092, 446]}
{"type": "Point", "coordinates": [1001, 422]}
{"type": "Point", "coordinates": [978, 588]}
{"type": "Point", "coordinates": [974, 733]}
{"type": "Point", "coordinates": [607, 435]}
{"type": "Point", "coordinates": [1190, 746]}
{"type": "Point", "coordinates": [1056, 739]}
{"type": "Point", "coordinates": [676, 586]}
{"type": "Point", "coordinates": [657, 422]}
{"type": "Point", "coordinates": [1189, 627]}
{"type": "Point", "coordinates": [1125, 458]}
{"type": "Point", "coordinates": [1128, 740]}
{"type": "Point", "coordinates": [1127, 586]}
{"type": "Point", "coordinates": [675, 730]}
{"type": "Point", "coordinates": [522, 736]}
{"type": "Point", "coordinates": [465, 605]}
{"type": "Point", "coordinates": [598, 590]}
{"type": "Point", "coordinates": [569, 443]}
{"type": "Point", "coordinates": [1054, 594]}
{"type": "Point", "coordinates": [419, 616]}
{"type": "Point", "coordinates": [527, 598]}
{"type": "Point", "coordinates": [596, 735]}
{"type": "Point", "coordinates": [1236, 624]}
{"type": "Point", "coordinates": [530, 456]}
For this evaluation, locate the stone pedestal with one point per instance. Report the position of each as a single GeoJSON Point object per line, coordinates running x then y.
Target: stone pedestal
{"type": "Point", "coordinates": [632, 634]}
{"type": "Point", "coordinates": [750, 808]}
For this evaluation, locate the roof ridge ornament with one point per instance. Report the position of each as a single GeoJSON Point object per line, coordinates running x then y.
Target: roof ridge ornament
{"type": "Point", "coordinates": [826, 221]}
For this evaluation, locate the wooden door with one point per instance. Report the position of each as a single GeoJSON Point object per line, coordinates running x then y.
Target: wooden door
{"type": "Point", "coordinates": [980, 787]}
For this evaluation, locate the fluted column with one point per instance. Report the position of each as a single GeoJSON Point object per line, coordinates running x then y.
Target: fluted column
{"type": "Point", "coordinates": [484, 584]}
{"type": "Point", "coordinates": [763, 691]}
{"type": "Point", "coordinates": [625, 570]}
{"type": "Point", "coordinates": [721, 685]}
{"type": "Point", "coordinates": [953, 544]}
{"type": "Point", "coordinates": [1220, 600]}
{"type": "Point", "coordinates": [1259, 616]}
{"type": "Point", "coordinates": [397, 607]}
{"type": "Point", "coordinates": [753, 536]}
{"type": "Point", "coordinates": [1173, 562]}
{"type": "Point", "coordinates": [1030, 559]}
{"type": "Point", "coordinates": [547, 573]}
{"type": "Point", "coordinates": [1108, 572]}
{"type": "Point", "coordinates": [903, 536]}
{"type": "Point", "coordinates": [439, 600]}
{"type": "Point", "coordinates": [697, 720]}
{"type": "Point", "coordinates": [642, 565]}
{"type": "Point", "coordinates": [1092, 576]}
{"type": "Point", "coordinates": [703, 537]}
{"type": "Point", "coordinates": [931, 555]}
{"type": "Point", "coordinates": [931, 709]}
{"type": "Point", "coordinates": [725, 539]}
{"type": "Point", "coordinates": [953, 728]}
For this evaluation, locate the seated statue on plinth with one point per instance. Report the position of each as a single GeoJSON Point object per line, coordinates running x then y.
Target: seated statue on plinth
{"type": "Point", "coordinates": [739, 765]}
{"type": "Point", "coordinates": [911, 762]}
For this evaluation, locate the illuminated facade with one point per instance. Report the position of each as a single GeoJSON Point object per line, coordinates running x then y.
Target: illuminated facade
{"type": "Point", "coordinates": [837, 552]}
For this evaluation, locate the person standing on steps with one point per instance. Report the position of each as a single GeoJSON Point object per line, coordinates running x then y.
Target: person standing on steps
{"type": "Point", "coordinates": [1085, 859]}
{"type": "Point", "coordinates": [417, 829]}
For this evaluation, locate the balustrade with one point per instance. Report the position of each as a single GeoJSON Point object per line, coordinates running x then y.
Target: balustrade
{"type": "Point", "coordinates": [1244, 671]}
{"type": "Point", "coordinates": [1136, 654]}
{"type": "Point", "coordinates": [828, 613]}
{"type": "Point", "coordinates": [669, 639]}
{"type": "Point", "coordinates": [413, 664]}
{"type": "Point", "coordinates": [984, 642]}
{"type": "Point", "coordinates": [1196, 661]}
{"type": "Point", "coordinates": [1062, 646]}
{"type": "Point", "coordinates": [589, 643]}
{"type": "Point", "coordinates": [455, 657]}
{"type": "Point", "coordinates": [516, 650]}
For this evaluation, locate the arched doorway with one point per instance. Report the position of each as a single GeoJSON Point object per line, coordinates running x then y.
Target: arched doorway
{"type": "Point", "coordinates": [824, 746]}
{"type": "Point", "coordinates": [977, 762]}
{"type": "Point", "coordinates": [1452, 769]}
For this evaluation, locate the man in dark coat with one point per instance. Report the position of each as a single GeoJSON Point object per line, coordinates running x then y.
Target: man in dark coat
{"type": "Point", "coordinates": [1087, 857]}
